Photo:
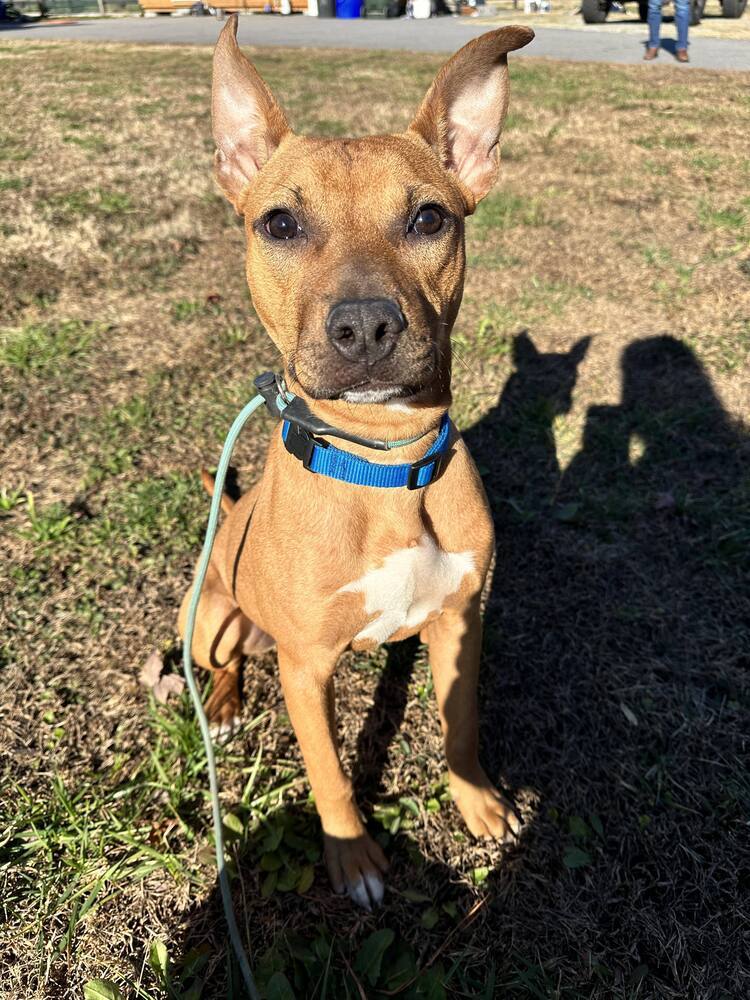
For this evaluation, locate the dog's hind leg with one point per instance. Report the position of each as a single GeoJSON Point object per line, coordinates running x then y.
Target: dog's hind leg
{"type": "Point", "coordinates": [223, 636]}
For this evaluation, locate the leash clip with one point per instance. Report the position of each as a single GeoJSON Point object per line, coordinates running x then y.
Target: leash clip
{"type": "Point", "coordinates": [271, 387]}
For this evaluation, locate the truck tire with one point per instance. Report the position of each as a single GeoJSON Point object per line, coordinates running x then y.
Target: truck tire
{"type": "Point", "coordinates": [643, 10]}
{"type": "Point", "coordinates": [595, 11]}
{"type": "Point", "coordinates": [733, 8]}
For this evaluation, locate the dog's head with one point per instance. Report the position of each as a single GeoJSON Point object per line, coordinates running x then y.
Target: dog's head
{"type": "Point", "coordinates": [355, 247]}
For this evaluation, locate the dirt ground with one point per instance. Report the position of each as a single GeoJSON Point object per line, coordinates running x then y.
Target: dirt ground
{"type": "Point", "coordinates": [601, 376]}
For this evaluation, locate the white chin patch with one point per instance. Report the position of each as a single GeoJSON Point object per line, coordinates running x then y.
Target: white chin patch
{"type": "Point", "coordinates": [370, 395]}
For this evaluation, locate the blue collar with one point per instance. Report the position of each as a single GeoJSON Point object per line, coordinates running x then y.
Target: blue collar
{"type": "Point", "coordinates": [321, 457]}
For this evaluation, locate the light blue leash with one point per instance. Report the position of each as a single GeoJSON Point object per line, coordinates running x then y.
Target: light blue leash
{"type": "Point", "coordinates": [187, 663]}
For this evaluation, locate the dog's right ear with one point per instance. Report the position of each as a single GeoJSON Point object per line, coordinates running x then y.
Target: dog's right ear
{"type": "Point", "coordinates": [248, 124]}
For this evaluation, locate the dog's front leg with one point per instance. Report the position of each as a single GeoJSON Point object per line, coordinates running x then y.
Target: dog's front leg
{"type": "Point", "coordinates": [455, 642]}
{"type": "Point", "coordinates": [355, 862]}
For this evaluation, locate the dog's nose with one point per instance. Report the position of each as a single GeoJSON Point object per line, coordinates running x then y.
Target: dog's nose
{"type": "Point", "coordinates": [365, 329]}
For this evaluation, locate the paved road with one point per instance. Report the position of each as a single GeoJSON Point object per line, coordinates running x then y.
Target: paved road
{"type": "Point", "coordinates": [436, 35]}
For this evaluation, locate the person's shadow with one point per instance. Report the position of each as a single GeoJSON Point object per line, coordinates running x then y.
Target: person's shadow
{"type": "Point", "coordinates": [613, 705]}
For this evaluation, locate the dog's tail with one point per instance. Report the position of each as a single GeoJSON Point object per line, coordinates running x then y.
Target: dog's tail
{"type": "Point", "coordinates": [209, 485]}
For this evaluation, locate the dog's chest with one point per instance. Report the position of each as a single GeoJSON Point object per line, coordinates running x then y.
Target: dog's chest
{"type": "Point", "coordinates": [410, 585]}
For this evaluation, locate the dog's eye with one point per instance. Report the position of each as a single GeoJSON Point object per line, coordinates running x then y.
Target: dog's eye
{"type": "Point", "coordinates": [282, 226]}
{"type": "Point", "coordinates": [428, 221]}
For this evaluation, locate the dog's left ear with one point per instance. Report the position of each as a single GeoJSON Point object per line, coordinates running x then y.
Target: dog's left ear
{"type": "Point", "coordinates": [248, 124]}
{"type": "Point", "coordinates": [463, 112]}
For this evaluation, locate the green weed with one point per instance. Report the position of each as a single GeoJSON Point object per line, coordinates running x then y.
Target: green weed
{"type": "Point", "coordinates": [49, 526]}
{"type": "Point", "coordinates": [12, 151]}
{"type": "Point", "coordinates": [185, 309]}
{"type": "Point", "coordinates": [14, 183]}
{"type": "Point", "coordinates": [91, 143]}
{"type": "Point", "coordinates": [95, 202]}
{"type": "Point", "coordinates": [493, 259]}
{"type": "Point", "coordinates": [152, 519]}
{"type": "Point", "coordinates": [707, 162]}
{"type": "Point", "coordinates": [506, 210]}
{"type": "Point", "coordinates": [731, 217]}
{"type": "Point", "coordinates": [657, 167]}
{"type": "Point", "coordinates": [10, 499]}
{"type": "Point", "coordinates": [45, 348]}
{"type": "Point", "coordinates": [676, 141]}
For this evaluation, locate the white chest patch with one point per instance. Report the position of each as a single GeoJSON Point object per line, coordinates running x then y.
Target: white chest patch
{"type": "Point", "coordinates": [410, 585]}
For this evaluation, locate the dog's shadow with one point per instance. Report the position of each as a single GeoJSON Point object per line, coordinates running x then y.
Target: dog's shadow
{"type": "Point", "coordinates": [613, 698]}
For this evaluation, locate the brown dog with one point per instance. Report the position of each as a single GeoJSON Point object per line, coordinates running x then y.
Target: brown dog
{"type": "Point", "coordinates": [355, 261]}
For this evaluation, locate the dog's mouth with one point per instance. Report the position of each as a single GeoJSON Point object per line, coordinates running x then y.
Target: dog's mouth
{"type": "Point", "coordinates": [372, 393]}
{"type": "Point", "coordinates": [371, 388]}
{"type": "Point", "coordinates": [366, 391]}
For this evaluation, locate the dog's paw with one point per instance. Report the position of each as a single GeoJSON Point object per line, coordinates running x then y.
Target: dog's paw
{"type": "Point", "coordinates": [486, 813]}
{"type": "Point", "coordinates": [356, 866]}
{"type": "Point", "coordinates": [223, 730]}
{"type": "Point", "coordinates": [223, 708]}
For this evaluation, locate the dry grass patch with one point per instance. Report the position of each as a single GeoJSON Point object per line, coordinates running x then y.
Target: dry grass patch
{"type": "Point", "coordinates": [601, 377]}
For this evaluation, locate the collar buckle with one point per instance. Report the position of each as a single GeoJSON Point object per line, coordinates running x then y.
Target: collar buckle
{"type": "Point", "coordinates": [301, 444]}
{"type": "Point", "coordinates": [437, 461]}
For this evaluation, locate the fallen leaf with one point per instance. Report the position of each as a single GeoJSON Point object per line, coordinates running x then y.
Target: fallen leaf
{"type": "Point", "coordinates": [166, 685]}
{"type": "Point", "coordinates": [161, 685]}
{"type": "Point", "coordinates": [152, 670]}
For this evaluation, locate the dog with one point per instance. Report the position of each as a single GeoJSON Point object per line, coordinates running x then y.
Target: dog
{"type": "Point", "coordinates": [355, 263]}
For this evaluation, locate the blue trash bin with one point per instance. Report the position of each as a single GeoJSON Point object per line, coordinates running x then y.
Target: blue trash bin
{"type": "Point", "coordinates": [348, 8]}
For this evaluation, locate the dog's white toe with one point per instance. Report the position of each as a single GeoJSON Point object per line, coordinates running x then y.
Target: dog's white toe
{"type": "Point", "coordinates": [222, 731]}
{"type": "Point", "coordinates": [366, 891]}
{"type": "Point", "coordinates": [375, 887]}
{"type": "Point", "coordinates": [358, 893]}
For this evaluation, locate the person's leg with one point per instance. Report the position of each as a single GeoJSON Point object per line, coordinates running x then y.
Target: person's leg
{"type": "Point", "coordinates": [654, 25]}
{"type": "Point", "coordinates": [682, 22]}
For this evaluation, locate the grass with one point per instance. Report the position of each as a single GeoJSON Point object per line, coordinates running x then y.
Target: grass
{"type": "Point", "coordinates": [506, 210]}
{"type": "Point", "coordinates": [602, 357]}
{"type": "Point", "coordinates": [44, 349]}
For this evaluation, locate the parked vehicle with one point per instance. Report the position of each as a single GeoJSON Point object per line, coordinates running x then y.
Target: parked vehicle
{"type": "Point", "coordinates": [596, 11]}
